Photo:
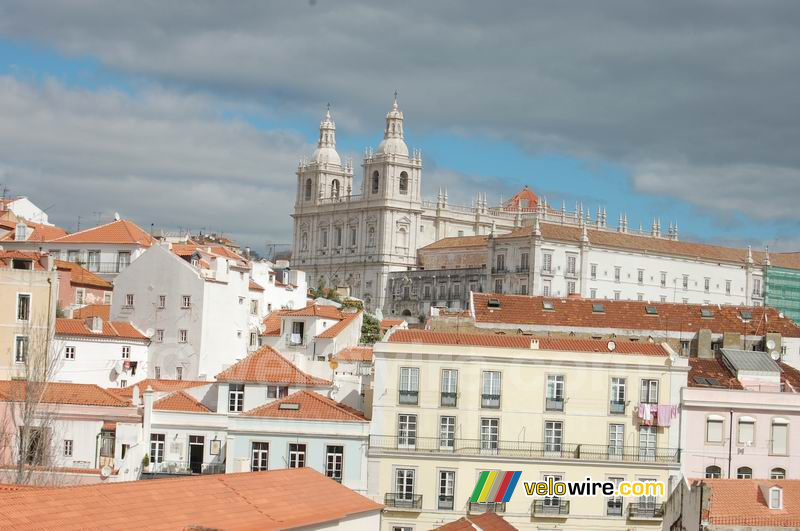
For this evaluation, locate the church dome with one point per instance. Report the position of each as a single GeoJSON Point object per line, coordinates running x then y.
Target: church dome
{"type": "Point", "coordinates": [393, 143]}
{"type": "Point", "coordinates": [393, 146]}
{"type": "Point", "coordinates": [326, 147]}
{"type": "Point", "coordinates": [326, 155]}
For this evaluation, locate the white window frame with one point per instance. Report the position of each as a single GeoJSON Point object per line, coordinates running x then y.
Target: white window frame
{"type": "Point", "coordinates": [69, 352]}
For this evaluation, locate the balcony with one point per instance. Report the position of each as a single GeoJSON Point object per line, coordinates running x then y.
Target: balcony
{"type": "Point", "coordinates": [547, 271]}
{"type": "Point", "coordinates": [523, 268]}
{"type": "Point", "coordinates": [490, 401]}
{"type": "Point", "coordinates": [106, 268]}
{"type": "Point", "coordinates": [499, 270]}
{"type": "Point", "coordinates": [409, 397]}
{"type": "Point", "coordinates": [449, 399]}
{"type": "Point", "coordinates": [446, 503]}
{"type": "Point", "coordinates": [554, 404]}
{"type": "Point", "coordinates": [401, 500]}
{"type": "Point", "coordinates": [486, 507]}
{"type": "Point", "coordinates": [645, 511]}
{"type": "Point", "coordinates": [182, 468]}
{"type": "Point", "coordinates": [617, 407]}
{"type": "Point", "coordinates": [550, 507]}
{"type": "Point", "coordinates": [614, 507]}
{"type": "Point", "coordinates": [524, 449]}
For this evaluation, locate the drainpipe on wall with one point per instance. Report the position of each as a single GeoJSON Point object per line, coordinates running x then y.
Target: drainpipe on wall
{"type": "Point", "coordinates": [730, 444]}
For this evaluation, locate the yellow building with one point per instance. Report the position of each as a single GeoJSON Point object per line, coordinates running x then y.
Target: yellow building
{"type": "Point", "coordinates": [28, 295]}
{"type": "Point", "coordinates": [448, 407]}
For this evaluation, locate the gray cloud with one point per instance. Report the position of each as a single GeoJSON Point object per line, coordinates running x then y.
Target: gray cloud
{"type": "Point", "coordinates": [698, 99]}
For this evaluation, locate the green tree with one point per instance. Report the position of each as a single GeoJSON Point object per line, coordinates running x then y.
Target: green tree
{"type": "Point", "coordinates": [370, 330]}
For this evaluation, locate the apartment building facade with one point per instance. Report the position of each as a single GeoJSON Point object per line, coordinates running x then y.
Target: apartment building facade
{"type": "Point", "coordinates": [452, 406]}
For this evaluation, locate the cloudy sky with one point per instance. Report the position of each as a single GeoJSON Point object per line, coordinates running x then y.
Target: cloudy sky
{"type": "Point", "coordinates": [194, 114]}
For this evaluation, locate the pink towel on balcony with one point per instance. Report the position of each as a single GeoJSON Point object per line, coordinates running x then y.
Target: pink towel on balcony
{"type": "Point", "coordinates": [665, 414]}
{"type": "Point", "coordinates": [645, 414]}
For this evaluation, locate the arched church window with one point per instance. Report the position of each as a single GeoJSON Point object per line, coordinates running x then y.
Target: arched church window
{"type": "Point", "coordinates": [308, 189]}
{"type": "Point", "coordinates": [375, 182]}
{"type": "Point", "coordinates": [403, 183]}
{"type": "Point", "coordinates": [371, 237]}
{"type": "Point", "coordinates": [402, 237]}
{"type": "Point", "coordinates": [335, 188]}
{"type": "Point", "coordinates": [304, 242]}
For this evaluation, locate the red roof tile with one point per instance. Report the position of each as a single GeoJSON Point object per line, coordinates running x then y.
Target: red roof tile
{"type": "Point", "coordinates": [38, 259]}
{"type": "Point", "coordinates": [338, 328]}
{"type": "Point", "coordinates": [309, 406]}
{"type": "Point", "coordinates": [266, 365]}
{"type": "Point", "coordinates": [484, 522]}
{"type": "Point", "coordinates": [276, 499]}
{"type": "Point", "coordinates": [456, 242]}
{"type": "Point", "coordinates": [159, 386]}
{"type": "Point", "coordinates": [40, 233]}
{"type": "Point", "coordinates": [714, 369]}
{"type": "Point", "coordinates": [255, 286]}
{"type": "Point", "coordinates": [272, 323]}
{"type": "Point", "coordinates": [740, 502]}
{"type": "Point", "coordinates": [180, 401]}
{"type": "Point", "coordinates": [82, 277]}
{"type": "Point", "coordinates": [388, 323]}
{"type": "Point", "coordinates": [363, 354]}
{"type": "Point", "coordinates": [120, 231]}
{"type": "Point", "coordinates": [103, 311]}
{"type": "Point", "coordinates": [625, 315]}
{"type": "Point", "coordinates": [61, 393]}
{"type": "Point", "coordinates": [524, 342]}
{"type": "Point", "coordinates": [524, 200]}
{"type": "Point", "coordinates": [316, 310]}
{"type": "Point", "coordinates": [117, 329]}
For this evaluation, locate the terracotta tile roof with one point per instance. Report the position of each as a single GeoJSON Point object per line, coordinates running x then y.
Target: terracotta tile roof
{"type": "Point", "coordinates": [188, 249]}
{"type": "Point", "coordinates": [741, 502]}
{"type": "Point", "coordinates": [38, 259]}
{"type": "Point", "coordinates": [255, 286]}
{"type": "Point", "coordinates": [272, 323]}
{"type": "Point", "coordinates": [266, 365]}
{"type": "Point", "coordinates": [40, 233]}
{"type": "Point", "coordinates": [388, 323]}
{"type": "Point", "coordinates": [63, 393]}
{"type": "Point", "coordinates": [103, 311]}
{"type": "Point", "coordinates": [457, 242]}
{"type": "Point", "coordinates": [473, 522]}
{"type": "Point", "coordinates": [309, 405]}
{"type": "Point", "coordinates": [120, 231]}
{"type": "Point", "coordinates": [524, 342]}
{"type": "Point", "coordinates": [711, 368]}
{"type": "Point", "coordinates": [363, 354]}
{"type": "Point", "coordinates": [341, 326]}
{"type": "Point", "coordinates": [316, 310]}
{"type": "Point", "coordinates": [159, 386]}
{"type": "Point", "coordinates": [276, 499]}
{"type": "Point", "coordinates": [82, 277]}
{"type": "Point", "coordinates": [790, 377]}
{"type": "Point", "coordinates": [11, 487]}
{"type": "Point", "coordinates": [180, 401]}
{"type": "Point", "coordinates": [626, 315]}
{"type": "Point", "coordinates": [524, 200]}
{"type": "Point", "coordinates": [78, 327]}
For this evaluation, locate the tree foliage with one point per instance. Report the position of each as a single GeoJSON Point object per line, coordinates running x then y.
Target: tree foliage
{"type": "Point", "coordinates": [370, 330]}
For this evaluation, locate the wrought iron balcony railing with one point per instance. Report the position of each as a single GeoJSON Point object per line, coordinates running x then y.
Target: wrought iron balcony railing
{"type": "Point", "coordinates": [409, 397]}
{"type": "Point", "coordinates": [645, 510]}
{"type": "Point", "coordinates": [402, 500]}
{"type": "Point", "coordinates": [550, 507]}
{"type": "Point", "coordinates": [617, 407]}
{"type": "Point", "coordinates": [554, 404]}
{"type": "Point", "coordinates": [446, 503]}
{"type": "Point", "coordinates": [490, 401]}
{"type": "Point", "coordinates": [185, 467]}
{"type": "Point", "coordinates": [449, 399]}
{"type": "Point", "coordinates": [486, 507]}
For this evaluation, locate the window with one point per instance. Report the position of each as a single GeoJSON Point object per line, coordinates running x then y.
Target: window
{"type": "Point", "coordinates": [337, 236]}
{"type": "Point", "coordinates": [713, 472]}
{"type": "Point", "coordinates": [744, 472]}
{"type": "Point", "coordinates": [553, 432]}
{"type": "Point", "coordinates": [570, 287]}
{"type": "Point", "coordinates": [334, 459]}
{"type": "Point", "coordinates": [663, 279]}
{"type": "Point", "coordinates": [308, 189]}
{"type": "Point", "coordinates": [107, 439]}
{"type": "Point", "coordinates": [407, 431]}
{"type": "Point", "coordinates": [297, 455]}
{"type": "Point", "coordinates": [617, 395]}
{"type": "Point", "coordinates": [614, 503]}
{"type": "Point", "coordinates": [23, 307]}
{"type": "Point", "coordinates": [20, 349]}
{"type": "Point", "coordinates": [409, 385]}
{"type": "Point", "coordinates": [727, 287]}
{"type": "Point", "coordinates": [157, 447]}
{"type": "Point", "coordinates": [498, 286]}
{"type": "Point", "coordinates": [93, 260]}
{"type": "Point", "coordinates": [551, 503]}
{"type": "Point", "coordinates": [179, 373]}
{"type": "Point", "coordinates": [123, 383]}
{"type": "Point", "coordinates": [617, 273]}
{"type": "Point", "coordinates": [572, 261]}
{"type": "Point", "coordinates": [616, 440]}
{"type": "Point", "coordinates": [523, 262]}
{"type": "Point", "coordinates": [706, 284]}
{"type": "Point", "coordinates": [69, 352]}
{"type": "Point", "coordinates": [183, 336]}
{"type": "Point", "coordinates": [649, 392]}
{"type": "Point", "coordinates": [647, 442]}
{"type": "Point", "coordinates": [756, 287]}
{"type": "Point", "coordinates": [714, 429]}
{"type": "Point", "coordinates": [404, 485]}
{"type": "Point", "coordinates": [616, 295]}
{"type": "Point", "coordinates": [447, 482]}
{"type": "Point", "coordinates": [159, 336]}
{"type": "Point", "coordinates": [235, 397]}
{"type": "Point", "coordinates": [324, 238]}
{"type": "Point", "coordinates": [353, 236]}
{"type": "Point", "coordinates": [403, 183]}
{"type": "Point", "coordinates": [35, 452]}
{"type": "Point", "coordinates": [186, 301]}
{"type": "Point", "coordinates": [775, 498]}
{"type": "Point", "coordinates": [107, 297]}
{"type": "Point", "coordinates": [746, 430]}
{"type": "Point", "coordinates": [277, 391]}
{"type": "Point", "coordinates": [593, 293]}
{"type": "Point", "coordinates": [685, 282]}
{"type": "Point", "coordinates": [447, 433]}
{"type": "Point", "coordinates": [126, 352]}
{"type": "Point", "coordinates": [780, 432]}
{"type": "Point", "coordinates": [129, 300]}
{"type": "Point", "coordinates": [253, 306]}
{"type": "Point", "coordinates": [490, 396]}
{"type": "Point", "coordinates": [162, 302]}
{"type": "Point", "coordinates": [640, 276]}
{"type": "Point", "coordinates": [546, 288]}
{"type": "Point", "coordinates": [547, 263]}
{"type": "Point", "coordinates": [490, 434]}
{"type": "Point", "coordinates": [501, 262]}
{"type": "Point", "coordinates": [426, 291]}
{"type": "Point", "coordinates": [376, 183]}
{"type": "Point", "coordinates": [67, 447]}
{"type": "Point", "coordinates": [449, 397]}
{"type": "Point", "coordinates": [555, 393]}
{"type": "Point", "coordinates": [335, 188]}
{"type": "Point", "coordinates": [777, 473]}
{"type": "Point", "coordinates": [259, 456]}
{"type": "Point", "coordinates": [157, 372]}
{"type": "Point", "coordinates": [593, 271]}
{"type": "Point", "coordinates": [650, 310]}
{"type": "Point", "coordinates": [253, 339]}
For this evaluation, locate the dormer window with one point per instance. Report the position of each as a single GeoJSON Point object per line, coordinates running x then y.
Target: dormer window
{"type": "Point", "coordinates": [22, 232]}
{"type": "Point", "coordinates": [776, 498]}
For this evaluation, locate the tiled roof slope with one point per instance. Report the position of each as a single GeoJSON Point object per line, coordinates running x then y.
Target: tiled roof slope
{"type": "Point", "coordinates": [457, 242]}
{"type": "Point", "coordinates": [266, 365]}
{"type": "Point", "coordinates": [159, 386]}
{"type": "Point", "coordinates": [311, 406]}
{"type": "Point", "coordinates": [120, 231]}
{"type": "Point", "coordinates": [63, 393]}
{"type": "Point", "coordinates": [524, 342]}
{"type": "Point", "coordinates": [103, 311]}
{"type": "Point", "coordinates": [316, 310]}
{"type": "Point", "coordinates": [627, 315]}
{"type": "Point", "coordinates": [276, 499]}
{"type": "Point", "coordinates": [82, 276]}
{"type": "Point", "coordinates": [484, 522]}
{"type": "Point", "coordinates": [272, 323]}
{"type": "Point", "coordinates": [255, 286]}
{"type": "Point", "coordinates": [338, 328]}
{"type": "Point", "coordinates": [7, 257]}
{"type": "Point", "coordinates": [363, 354]}
{"type": "Point", "coordinates": [40, 233]}
{"type": "Point", "coordinates": [711, 368]}
{"type": "Point", "coordinates": [740, 502]}
{"type": "Point", "coordinates": [117, 329]}
{"type": "Point", "coordinates": [180, 401]}
{"type": "Point", "coordinates": [388, 323]}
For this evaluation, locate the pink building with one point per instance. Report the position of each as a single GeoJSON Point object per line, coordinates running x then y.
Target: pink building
{"type": "Point", "coordinates": [78, 286]}
{"type": "Point", "coordinates": [739, 416]}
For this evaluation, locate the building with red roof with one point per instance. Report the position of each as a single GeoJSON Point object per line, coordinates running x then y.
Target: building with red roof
{"type": "Point", "coordinates": [79, 287]}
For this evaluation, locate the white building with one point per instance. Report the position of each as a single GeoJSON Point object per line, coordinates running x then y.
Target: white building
{"type": "Point", "coordinates": [201, 309]}
{"type": "Point", "coordinates": [93, 351]}
{"type": "Point", "coordinates": [24, 208]}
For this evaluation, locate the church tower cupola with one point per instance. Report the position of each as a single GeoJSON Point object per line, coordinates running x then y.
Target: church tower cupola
{"type": "Point", "coordinates": [393, 143]}
{"type": "Point", "coordinates": [326, 147]}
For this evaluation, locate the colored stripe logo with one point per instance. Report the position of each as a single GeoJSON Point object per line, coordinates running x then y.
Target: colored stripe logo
{"type": "Point", "coordinates": [495, 486]}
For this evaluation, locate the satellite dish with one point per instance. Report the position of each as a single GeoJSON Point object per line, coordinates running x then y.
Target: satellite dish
{"type": "Point", "coordinates": [611, 346]}
{"type": "Point", "coordinates": [775, 355]}
{"type": "Point", "coordinates": [116, 216]}
{"type": "Point", "coordinates": [149, 332]}
{"type": "Point", "coordinates": [770, 344]}
{"type": "Point", "coordinates": [105, 472]}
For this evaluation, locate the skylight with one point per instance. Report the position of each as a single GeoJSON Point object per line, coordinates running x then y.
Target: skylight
{"type": "Point", "coordinates": [706, 313]}
{"type": "Point", "coordinates": [651, 310]}
{"type": "Point", "coordinates": [746, 315]}
{"type": "Point", "coordinates": [548, 305]}
{"type": "Point", "coordinates": [289, 405]}
{"type": "Point", "coordinates": [493, 303]}
{"type": "Point", "coordinates": [598, 308]}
